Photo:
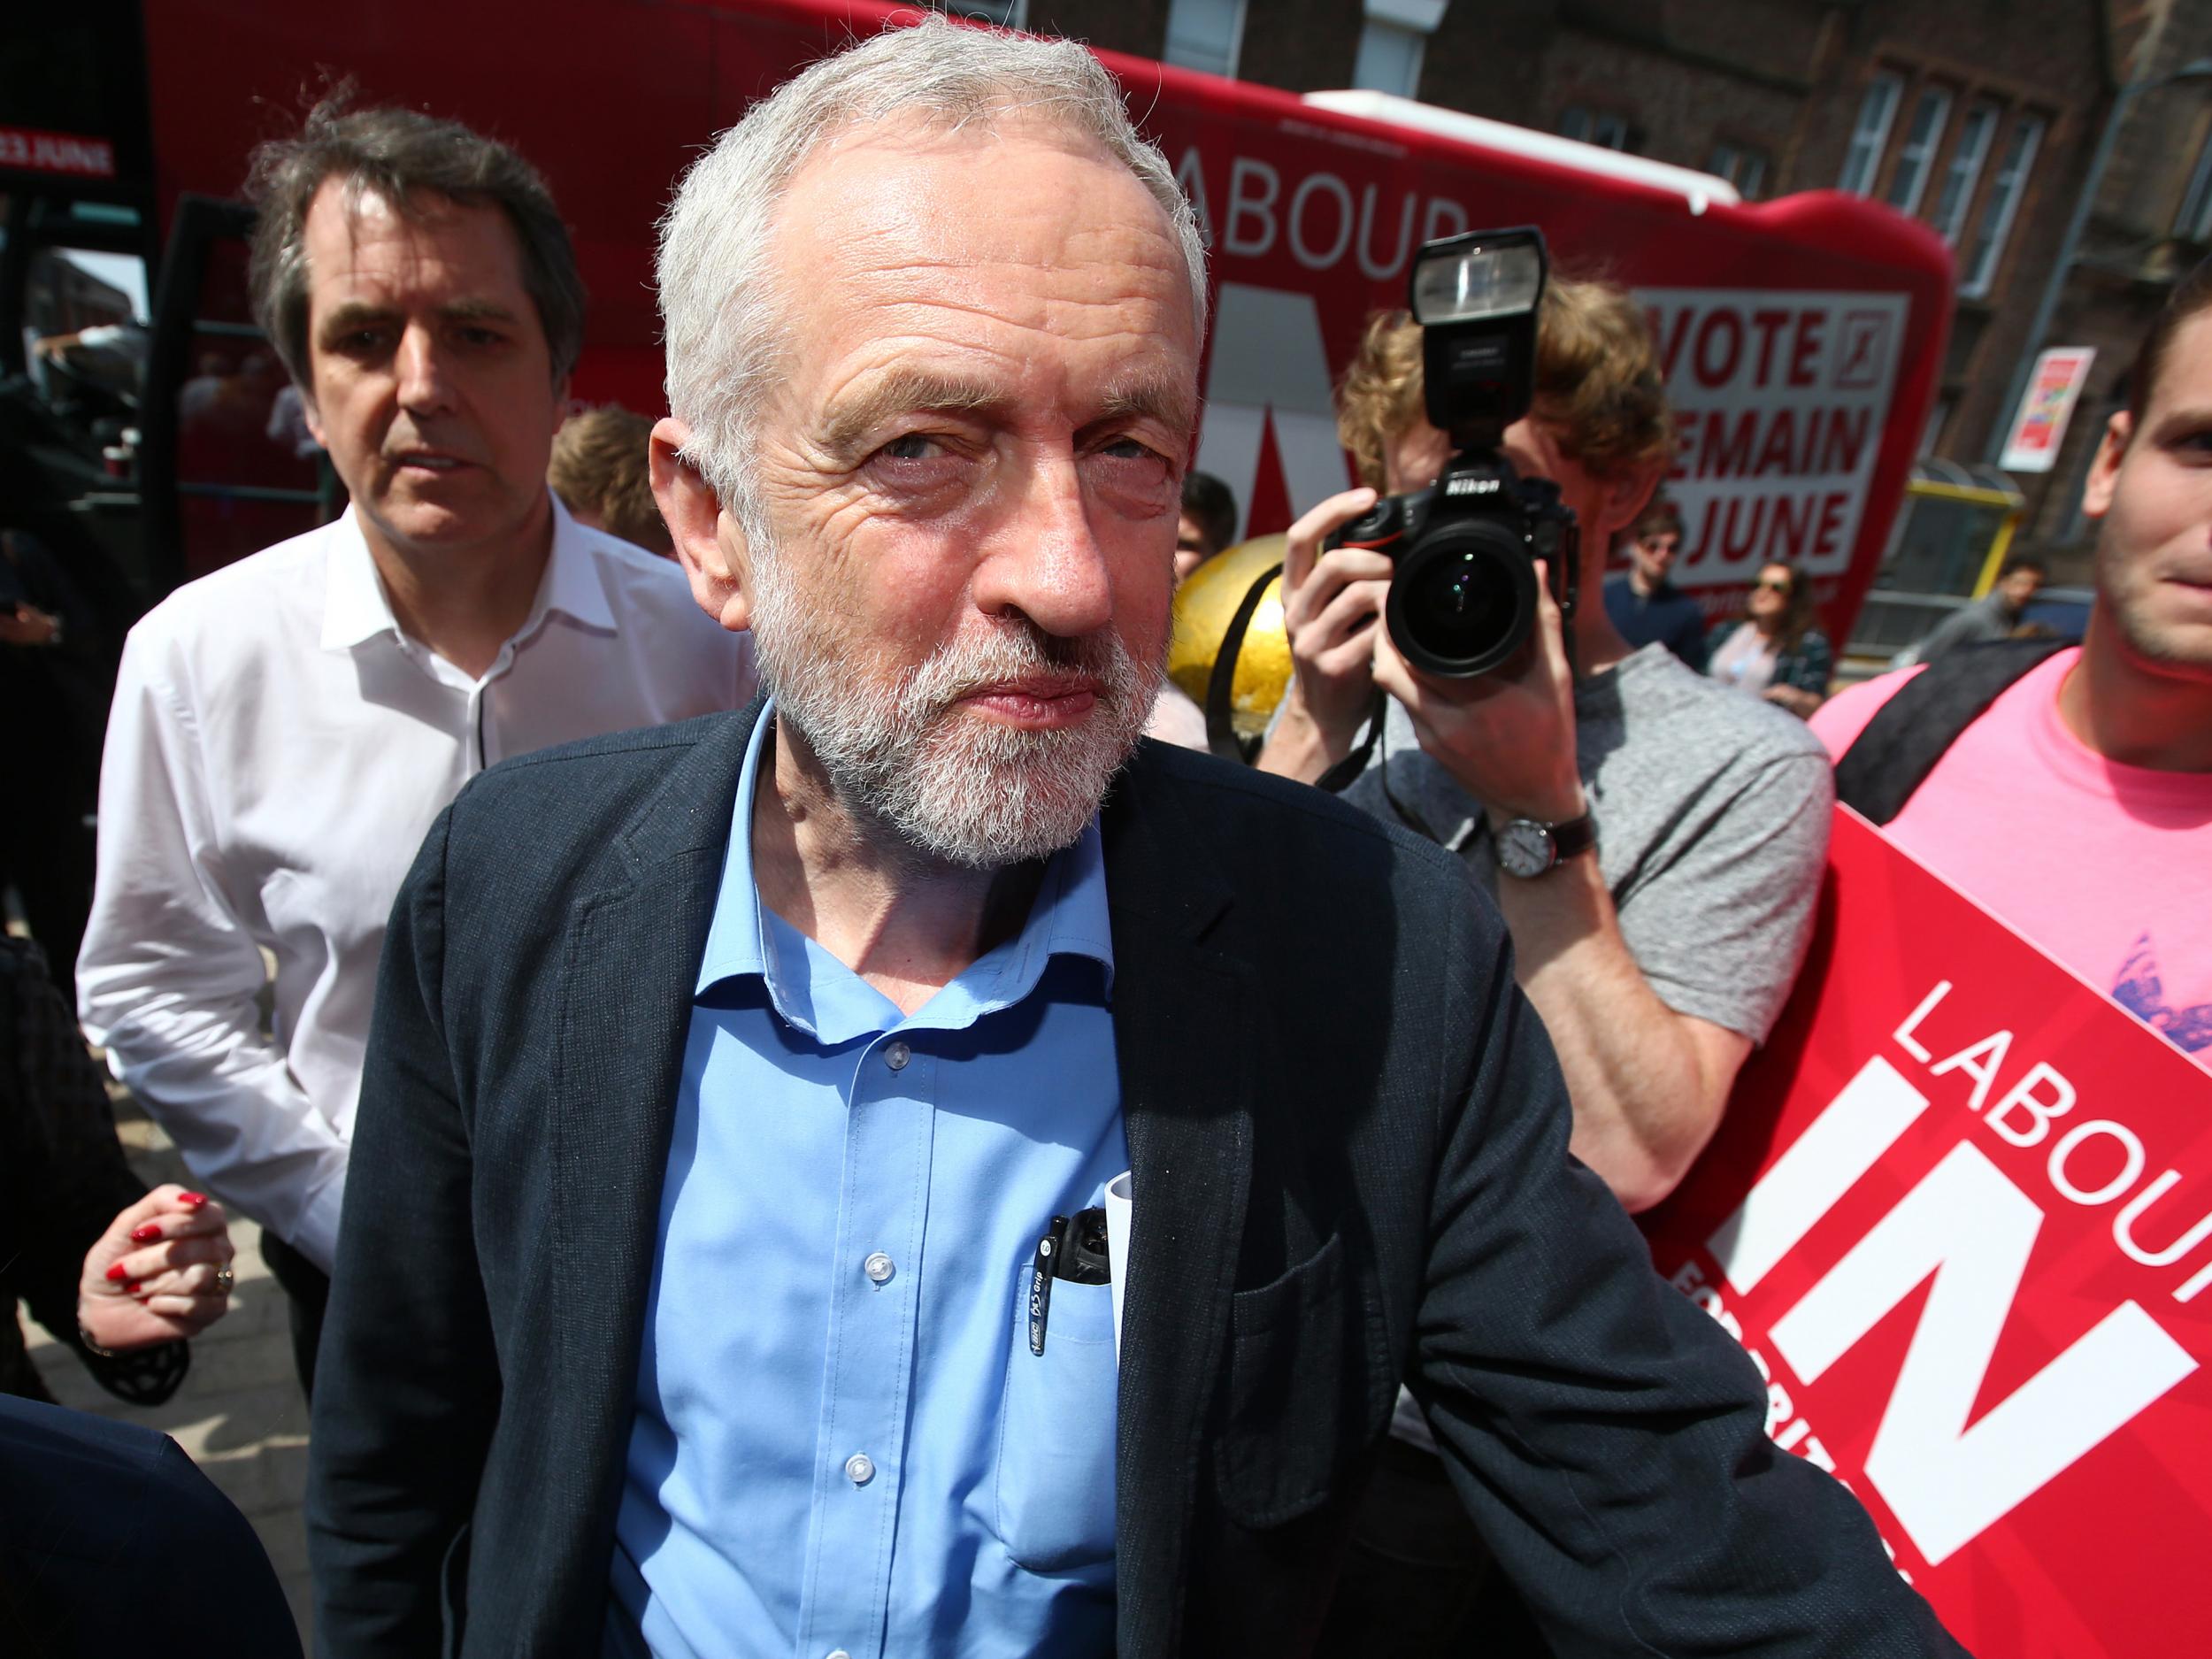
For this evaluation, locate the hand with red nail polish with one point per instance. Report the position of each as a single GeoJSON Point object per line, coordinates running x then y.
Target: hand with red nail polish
{"type": "Point", "coordinates": [155, 1274]}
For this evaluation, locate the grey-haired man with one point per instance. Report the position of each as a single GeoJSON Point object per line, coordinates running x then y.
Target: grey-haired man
{"type": "Point", "coordinates": [697, 1290]}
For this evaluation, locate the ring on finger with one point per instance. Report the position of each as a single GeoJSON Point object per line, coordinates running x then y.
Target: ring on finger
{"type": "Point", "coordinates": [225, 1276]}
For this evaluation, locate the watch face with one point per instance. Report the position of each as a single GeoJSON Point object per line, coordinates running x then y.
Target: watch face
{"type": "Point", "coordinates": [1524, 849]}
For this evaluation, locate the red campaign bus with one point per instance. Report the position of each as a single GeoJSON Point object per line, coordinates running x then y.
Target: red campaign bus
{"type": "Point", "coordinates": [1802, 337]}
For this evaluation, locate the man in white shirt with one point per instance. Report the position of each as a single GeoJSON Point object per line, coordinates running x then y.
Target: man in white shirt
{"type": "Point", "coordinates": [285, 730]}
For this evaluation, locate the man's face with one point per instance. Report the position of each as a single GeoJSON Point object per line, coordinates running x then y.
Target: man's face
{"type": "Point", "coordinates": [1192, 548]}
{"type": "Point", "coordinates": [971, 473]}
{"type": "Point", "coordinates": [2153, 488]}
{"type": "Point", "coordinates": [2020, 588]}
{"type": "Point", "coordinates": [1654, 553]}
{"type": "Point", "coordinates": [432, 384]}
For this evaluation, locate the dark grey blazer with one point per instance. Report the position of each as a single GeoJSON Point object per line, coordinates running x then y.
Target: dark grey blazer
{"type": "Point", "coordinates": [1350, 1140]}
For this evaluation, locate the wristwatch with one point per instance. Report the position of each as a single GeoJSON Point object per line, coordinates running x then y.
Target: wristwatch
{"type": "Point", "coordinates": [1526, 849]}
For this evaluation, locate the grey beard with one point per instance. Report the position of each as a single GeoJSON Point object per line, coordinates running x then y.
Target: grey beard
{"type": "Point", "coordinates": [954, 787]}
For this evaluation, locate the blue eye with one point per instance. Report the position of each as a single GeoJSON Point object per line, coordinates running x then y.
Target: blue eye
{"type": "Point", "coordinates": [911, 446]}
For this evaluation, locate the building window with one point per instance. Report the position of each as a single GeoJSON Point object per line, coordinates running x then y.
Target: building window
{"type": "Point", "coordinates": [1008, 14]}
{"type": "Point", "coordinates": [1916, 157]}
{"type": "Point", "coordinates": [1601, 127]}
{"type": "Point", "coordinates": [2005, 191]}
{"type": "Point", "coordinates": [1205, 35]}
{"type": "Point", "coordinates": [2193, 223]}
{"type": "Point", "coordinates": [1391, 42]}
{"type": "Point", "coordinates": [1965, 171]}
{"type": "Point", "coordinates": [1870, 135]}
{"type": "Point", "coordinates": [1743, 165]}
{"type": "Point", "coordinates": [1389, 60]}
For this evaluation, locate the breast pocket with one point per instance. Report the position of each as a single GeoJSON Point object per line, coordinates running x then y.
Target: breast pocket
{"type": "Point", "coordinates": [1055, 1453]}
{"type": "Point", "coordinates": [1308, 1389]}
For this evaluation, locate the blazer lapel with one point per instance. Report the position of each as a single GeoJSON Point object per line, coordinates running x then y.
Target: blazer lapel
{"type": "Point", "coordinates": [626, 985]}
{"type": "Point", "coordinates": [1181, 1009]}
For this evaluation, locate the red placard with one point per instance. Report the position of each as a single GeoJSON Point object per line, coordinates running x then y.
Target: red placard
{"type": "Point", "coordinates": [1960, 1213]}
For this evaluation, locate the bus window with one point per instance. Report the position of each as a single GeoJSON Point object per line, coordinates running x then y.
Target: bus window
{"type": "Point", "coordinates": [84, 331]}
{"type": "Point", "coordinates": [231, 467]}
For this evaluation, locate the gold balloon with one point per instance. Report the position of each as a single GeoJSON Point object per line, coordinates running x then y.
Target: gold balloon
{"type": "Point", "coordinates": [1204, 605]}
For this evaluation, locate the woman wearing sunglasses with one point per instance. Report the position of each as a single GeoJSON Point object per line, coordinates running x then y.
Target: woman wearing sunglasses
{"type": "Point", "coordinates": [1776, 652]}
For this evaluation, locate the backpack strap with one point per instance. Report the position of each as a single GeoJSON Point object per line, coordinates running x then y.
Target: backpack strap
{"type": "Point", "coordinates": [1901, 745]}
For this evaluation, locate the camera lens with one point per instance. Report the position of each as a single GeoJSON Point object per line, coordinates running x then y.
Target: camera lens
{"type": "Point", "coordinates": [1464, 600]}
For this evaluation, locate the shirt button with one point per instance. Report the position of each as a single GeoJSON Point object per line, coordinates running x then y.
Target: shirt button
{"type": "Point", "coordinates": [879, 1268]}
{"type": "Point", "coordinates": [860, 1469]}
{"type": "Point", "coordinates": [838, 1652]}
{"type": "Point", "coordinates": [896, 1056]}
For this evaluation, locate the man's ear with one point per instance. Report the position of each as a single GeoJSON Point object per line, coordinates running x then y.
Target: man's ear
{"type": "Point", "coordinates": [1621, 497]}
{"type": "Point", "coordinates": [2104, 472]}
{"type": "Point", "coordinates": [708, 543]}
{"type": "Point", "coordinates": [312, 415]}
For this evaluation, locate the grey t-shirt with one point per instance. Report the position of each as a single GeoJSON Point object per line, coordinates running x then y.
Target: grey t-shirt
{"type": "Point", "coordinates": [1989, 618]}
{"type": "Point", "coordinates": [1712, 813]}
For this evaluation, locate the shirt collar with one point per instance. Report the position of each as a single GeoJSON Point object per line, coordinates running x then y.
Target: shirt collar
{"type": "Point", "coordinates": [354, 607]}
{"type": "Point", "coordinates": [573, 584]}
{"type": "Point", "coordinates": [1068, 918]}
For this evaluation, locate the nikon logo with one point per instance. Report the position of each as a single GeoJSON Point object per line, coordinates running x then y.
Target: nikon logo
{"type": "Point", "coordinates": [1471, 487]}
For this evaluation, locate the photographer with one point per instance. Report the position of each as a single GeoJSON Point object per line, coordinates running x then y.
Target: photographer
{"type": "Point", "coordinates": [1659, 962]}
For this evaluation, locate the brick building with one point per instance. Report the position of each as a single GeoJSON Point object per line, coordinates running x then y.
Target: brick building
{"type": "Point", "coordinates": [2149, 223]}
{"type": "Point", "coordinates": [1979, 117]}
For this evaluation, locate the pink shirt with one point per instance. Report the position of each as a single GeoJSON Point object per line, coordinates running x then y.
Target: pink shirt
{"type": "Point", "coordinates": [2106, 868]}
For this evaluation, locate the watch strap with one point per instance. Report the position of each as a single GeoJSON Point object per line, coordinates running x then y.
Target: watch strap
{"type": "Point", "coordinates": [1573, 838]}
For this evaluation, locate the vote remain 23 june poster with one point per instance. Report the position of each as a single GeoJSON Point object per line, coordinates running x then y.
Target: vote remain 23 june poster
{"type": "Point", "coordinates": [1959, 1215]}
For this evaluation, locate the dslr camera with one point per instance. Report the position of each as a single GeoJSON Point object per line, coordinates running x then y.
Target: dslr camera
{"type": "Point", "coordinates": [1463, 599]}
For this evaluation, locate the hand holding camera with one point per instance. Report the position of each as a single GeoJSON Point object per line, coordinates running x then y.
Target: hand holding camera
{"type": "Point", "coordinates": [1331, 601]}
{"type": "Point", "coordinates": [1508, 738]}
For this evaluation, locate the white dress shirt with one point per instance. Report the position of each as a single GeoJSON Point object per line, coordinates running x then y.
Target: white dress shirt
{"type": "Point", "coordinates": [277, 749]}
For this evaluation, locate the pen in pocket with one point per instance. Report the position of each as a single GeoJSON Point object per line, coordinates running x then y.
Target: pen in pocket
{"type": "Point", "coordinates": [1073, 1248]}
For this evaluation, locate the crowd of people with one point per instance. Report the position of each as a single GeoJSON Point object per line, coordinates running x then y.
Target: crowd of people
{"type": "Point", "coordinates": [652, 1095]}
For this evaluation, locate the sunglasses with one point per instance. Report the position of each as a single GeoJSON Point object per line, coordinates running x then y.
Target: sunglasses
{"type": "Point", "coordinates": [1767, 584]}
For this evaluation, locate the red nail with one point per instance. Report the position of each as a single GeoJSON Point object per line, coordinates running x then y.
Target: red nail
{"type": "Point", "coordinates": [132, 1287]}
{"type": "Point", "coordinates": [192, 1201]}
{"type": "Point", "coordinates": [146, 1235]}
{"type": "Point", "coordinates": [117, 1273]}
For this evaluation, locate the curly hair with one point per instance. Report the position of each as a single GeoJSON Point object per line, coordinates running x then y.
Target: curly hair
{"type": "Point", "coordinates": [599, 468]}
{"type": "Point", "coordinates": [1598, 382]}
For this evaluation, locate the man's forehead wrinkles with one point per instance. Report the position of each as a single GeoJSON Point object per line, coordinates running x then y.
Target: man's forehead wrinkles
{"type": "Point", "coordinates": [900, 389]}
{"type": "Point", "coordinates": [950, 321]}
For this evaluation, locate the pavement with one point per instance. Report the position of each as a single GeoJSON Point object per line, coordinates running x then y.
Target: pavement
{"type": "Point", "coordinates": [240, 1413]}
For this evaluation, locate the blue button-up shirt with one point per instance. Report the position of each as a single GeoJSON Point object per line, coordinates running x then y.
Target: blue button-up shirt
{"type": "Point", "coordinates": [844, 1442]}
